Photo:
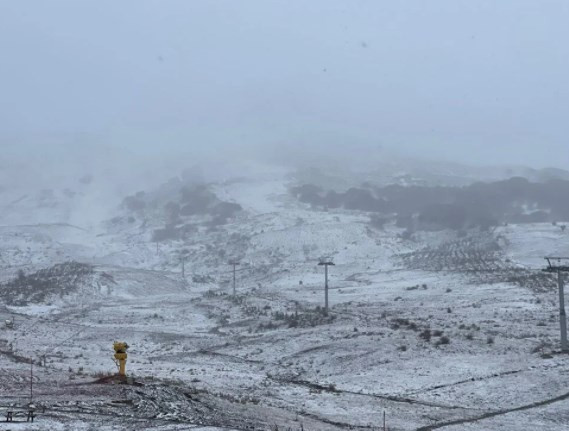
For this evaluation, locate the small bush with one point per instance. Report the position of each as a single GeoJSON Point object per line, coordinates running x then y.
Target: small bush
{"type": "Point", "coordinates": [539, 348]}
{"type": "Point", "coordinates": [426, 335]}
{"type": "Point", "coordinates": [443, 340]}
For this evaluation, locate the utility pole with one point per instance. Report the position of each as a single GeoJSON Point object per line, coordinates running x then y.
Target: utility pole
{"type": "Point", "coordinates": [234, 263]}
{"type": "Point", "coordinates": [82, 299]}
{"type": "Point", "coordinates": [31, 380]}
{"type": "Point", "coordinates": [183, 254]}
{"type": "Point", "coordinates": [326, 264]}
{"type": "Point", "coordinates": [562, 266]}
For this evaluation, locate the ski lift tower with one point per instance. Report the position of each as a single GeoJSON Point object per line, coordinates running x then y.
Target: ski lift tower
{"type": "Point", "coordinates": [560, 265]}
{"type": "Point", "coordinates": [325, 262]}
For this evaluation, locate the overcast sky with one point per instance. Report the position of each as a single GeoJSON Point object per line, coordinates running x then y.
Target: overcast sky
{"type": "Point", "coordinates": [471, 80]}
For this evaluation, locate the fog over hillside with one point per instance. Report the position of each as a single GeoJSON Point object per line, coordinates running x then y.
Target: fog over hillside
{"type": "Point", "coordinates": [284, 215]}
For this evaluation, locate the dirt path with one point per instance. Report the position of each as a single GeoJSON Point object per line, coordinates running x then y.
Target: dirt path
{"type": "Point", "coordinates": [494, 413]}
{"type": "Point", "coordinates": [391, 398]}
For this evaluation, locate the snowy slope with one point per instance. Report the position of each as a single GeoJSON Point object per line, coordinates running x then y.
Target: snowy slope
{"type": "Point", "coordinates": [433, 329]}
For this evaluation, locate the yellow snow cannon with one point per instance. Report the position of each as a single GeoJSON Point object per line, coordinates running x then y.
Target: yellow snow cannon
{"type": "Point", "coordinates": [120, 356]}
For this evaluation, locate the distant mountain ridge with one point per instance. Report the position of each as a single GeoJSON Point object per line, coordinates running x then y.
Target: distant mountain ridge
{"type": "Point", "coordinates": [89, 196]}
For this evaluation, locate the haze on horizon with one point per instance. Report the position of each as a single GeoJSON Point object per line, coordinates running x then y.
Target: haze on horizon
{"type": "Point", "coordinates": [480, 82]}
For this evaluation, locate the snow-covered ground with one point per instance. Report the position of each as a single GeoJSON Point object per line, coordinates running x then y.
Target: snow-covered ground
{"type": "Point", "coordinates": [433, 349]}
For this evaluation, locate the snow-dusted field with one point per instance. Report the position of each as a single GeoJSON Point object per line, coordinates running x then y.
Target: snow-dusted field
{"type": "Point", "coordinates": [433, 349]}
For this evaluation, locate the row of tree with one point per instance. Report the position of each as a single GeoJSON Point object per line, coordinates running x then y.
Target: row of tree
{"type": "Point", "coordinates": [515, 200]}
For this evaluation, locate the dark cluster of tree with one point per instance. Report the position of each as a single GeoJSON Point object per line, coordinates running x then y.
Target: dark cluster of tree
{"type": "Point", "coordinates": [515, 200]}
{"type": "Point", "coordinates": [195, 200]}
{"type": "Point", "coordinates": [37, 287]}
{"type": "Point", "coordinates": [172, 232]}
{"type": "Point", "coordinates": [200, 201]}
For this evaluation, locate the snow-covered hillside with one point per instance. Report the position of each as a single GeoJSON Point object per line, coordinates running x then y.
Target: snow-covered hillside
{"type": "Point", "coordinates": [439, 330]}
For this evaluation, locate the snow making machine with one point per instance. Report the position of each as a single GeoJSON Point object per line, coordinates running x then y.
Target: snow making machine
{"type": "Point", "coordinates": [120, 356]}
